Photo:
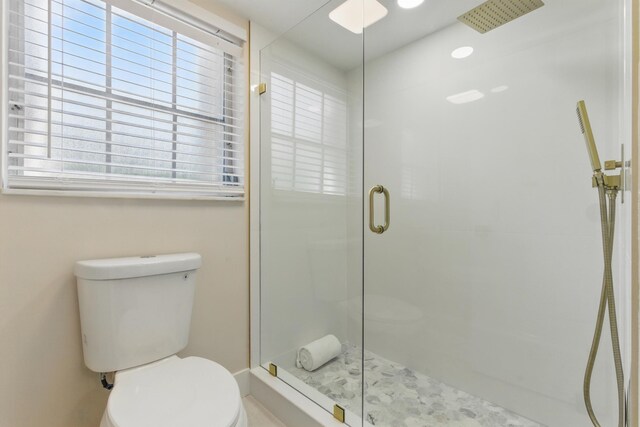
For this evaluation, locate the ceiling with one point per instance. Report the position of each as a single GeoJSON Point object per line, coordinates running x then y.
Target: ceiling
{"type": "Point", "coordinates": [276, 15]}
{"type": "Point", "coordinates": [306, 24]}
{"type": "Point", "coordinates": [343, 49]}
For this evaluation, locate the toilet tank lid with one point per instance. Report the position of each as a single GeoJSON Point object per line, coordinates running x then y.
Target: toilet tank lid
{"type": "Point", "coordinates": [140, 266]}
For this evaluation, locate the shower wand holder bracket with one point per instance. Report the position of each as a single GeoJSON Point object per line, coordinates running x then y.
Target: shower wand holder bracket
{"type": "Point", "coordinates": [612, 165]}
{"type": "Point", "coordinates": [610, 181]}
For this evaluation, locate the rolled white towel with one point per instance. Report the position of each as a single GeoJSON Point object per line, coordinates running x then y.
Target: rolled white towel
{"type": "Point", "coordinates": [319, 352]}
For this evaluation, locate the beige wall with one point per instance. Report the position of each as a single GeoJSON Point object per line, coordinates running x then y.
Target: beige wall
{"type": "Point", "coordinates": [43, 380]}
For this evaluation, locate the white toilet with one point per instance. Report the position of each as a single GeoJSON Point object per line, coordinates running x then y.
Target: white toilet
{"type": "Point", "coordinates": [135, 315]}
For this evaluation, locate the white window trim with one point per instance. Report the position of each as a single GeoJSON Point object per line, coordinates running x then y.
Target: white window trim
{"type": "Point", "coordinates": [190, 9]}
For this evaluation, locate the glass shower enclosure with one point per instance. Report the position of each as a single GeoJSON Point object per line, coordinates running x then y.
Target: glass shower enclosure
{"type": "Point", "coordinates": [426, 201]}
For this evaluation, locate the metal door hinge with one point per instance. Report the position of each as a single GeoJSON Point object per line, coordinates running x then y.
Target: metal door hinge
{"type": "Point", "coordinates": [262, 88]}
{"type": "Point", "coordinates": [338, 413]}
{"type": "Point", "coordinates": [273, 369]}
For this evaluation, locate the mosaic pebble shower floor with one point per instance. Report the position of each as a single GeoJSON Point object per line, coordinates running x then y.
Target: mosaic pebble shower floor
{"type": "Point", "coordinates": [400, 397]}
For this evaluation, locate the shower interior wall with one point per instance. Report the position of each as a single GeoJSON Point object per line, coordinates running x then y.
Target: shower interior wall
{"type": "Point", "coordinates": [489, 276]}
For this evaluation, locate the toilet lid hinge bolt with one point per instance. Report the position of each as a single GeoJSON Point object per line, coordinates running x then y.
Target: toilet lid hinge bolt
{"type": "Point", "coordinates": [106, 384]}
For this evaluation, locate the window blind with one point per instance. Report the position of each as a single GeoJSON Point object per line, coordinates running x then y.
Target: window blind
{"type": "Point", "coordinates": [116, 96]}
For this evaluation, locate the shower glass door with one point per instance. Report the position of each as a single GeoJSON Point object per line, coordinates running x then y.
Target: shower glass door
{"type": "Point", "coordinates": [426, 210]}
{"type": "Point", "coordinates": [481, 296]}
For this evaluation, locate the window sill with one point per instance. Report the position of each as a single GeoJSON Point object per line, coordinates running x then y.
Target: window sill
{"type": "Point", "coordinates": [121, 195]}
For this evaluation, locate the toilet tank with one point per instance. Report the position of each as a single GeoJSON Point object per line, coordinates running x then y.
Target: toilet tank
{"type": "Point", "coordinates": [135, 310]}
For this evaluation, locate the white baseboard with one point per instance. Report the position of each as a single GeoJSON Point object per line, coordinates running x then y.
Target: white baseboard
{"type": "Point", "coordinates": [243, 379]}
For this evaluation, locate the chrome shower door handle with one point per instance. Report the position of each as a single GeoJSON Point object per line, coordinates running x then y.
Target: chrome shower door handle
{"type": "Point", "coordinates": [379, 229]}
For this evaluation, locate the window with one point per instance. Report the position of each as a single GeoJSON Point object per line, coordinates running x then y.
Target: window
{"type": "Point", "coordinates": [308, 135]}
{"type": "Point", "coordinates": [116, 96]}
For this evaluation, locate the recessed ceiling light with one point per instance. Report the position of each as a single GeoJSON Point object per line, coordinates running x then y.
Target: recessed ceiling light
{"type": "Point", "coordinates": [462, 52]}
{"type": "Point", "coordinates": [356, 15]}
{"type": "Point", "coordinates": [465, 97]}
{"type": "Point", "coordinates": [409, 4]}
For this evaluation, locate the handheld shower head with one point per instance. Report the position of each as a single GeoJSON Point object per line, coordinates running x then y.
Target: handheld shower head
{"type": "Point", "coordinates": [585, 127]}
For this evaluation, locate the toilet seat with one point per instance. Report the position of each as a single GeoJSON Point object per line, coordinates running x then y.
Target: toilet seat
{"type": "Point", "coordinates": [174, 392]}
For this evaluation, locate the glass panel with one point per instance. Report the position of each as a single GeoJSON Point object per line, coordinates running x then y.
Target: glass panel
{"type": "Point", "coordinates": [311, 211]}
{"type": "Point", "coordinates": [481, 297]}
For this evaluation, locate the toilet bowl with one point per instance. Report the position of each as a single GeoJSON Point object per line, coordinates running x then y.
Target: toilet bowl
{"type": "Point", "coordinates": [135, 316]}
{"type": "Point", "coordinates": [175, 392]}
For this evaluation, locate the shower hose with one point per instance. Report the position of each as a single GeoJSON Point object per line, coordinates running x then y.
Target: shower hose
{"type": "Point", "coordinates": [607, 302]}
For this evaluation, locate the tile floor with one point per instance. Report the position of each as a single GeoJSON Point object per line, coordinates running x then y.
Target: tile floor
{"type": "Point", "coordinates": [258, 415]}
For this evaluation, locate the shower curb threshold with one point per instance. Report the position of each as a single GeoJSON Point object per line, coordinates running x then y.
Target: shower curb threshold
{"type": "Point", "coordinates": [288, 404]}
